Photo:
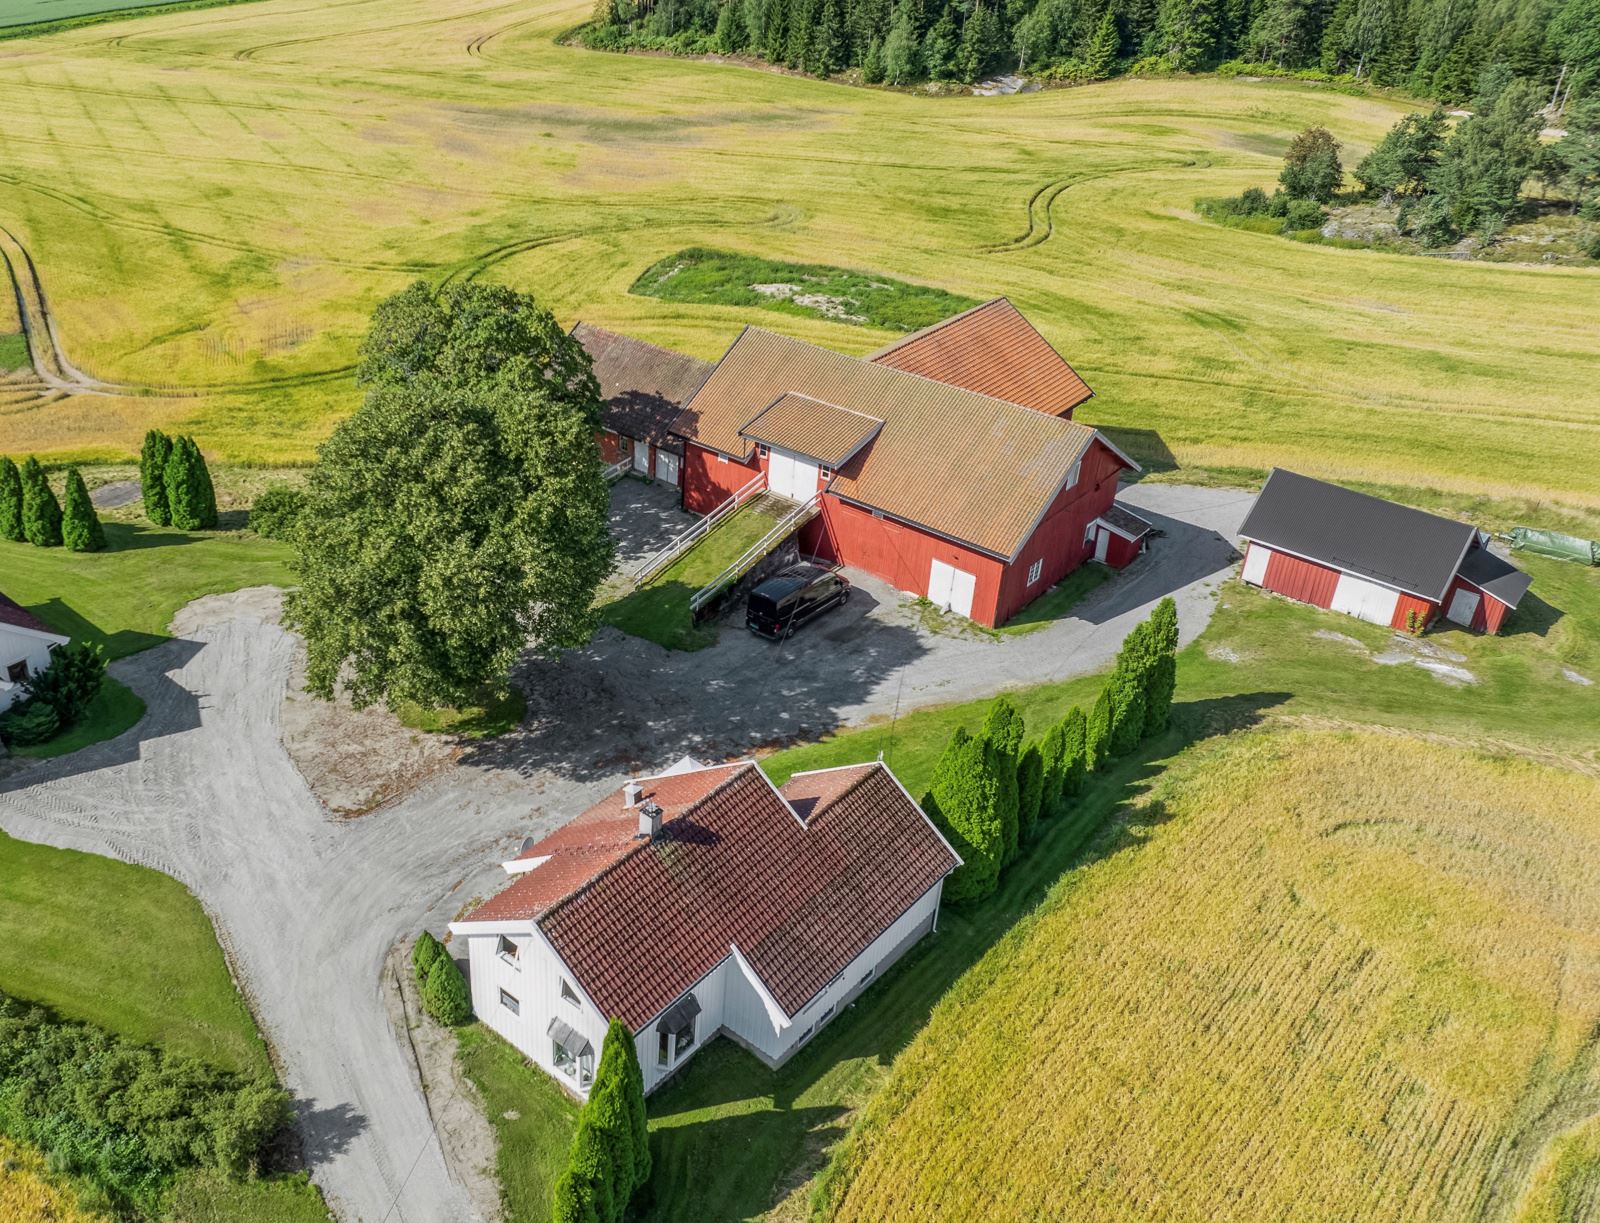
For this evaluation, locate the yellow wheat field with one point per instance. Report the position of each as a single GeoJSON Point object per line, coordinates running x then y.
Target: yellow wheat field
{"type": "Point", "coordinates": [28, 1196]}
{"type": "Point", "coordinates": [1325, 977]}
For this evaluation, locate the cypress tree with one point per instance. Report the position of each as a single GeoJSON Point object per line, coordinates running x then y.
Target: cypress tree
{"type": "Point", "coordinates": [1054, 753]}
{"type": "Point", "coordinates": [572, 1200]}
{"type": "Point", "coordinates": [1030, 791]}
{"type": "Point", "coordinates": [962, 803]}
{"type": "Point", "coordinates": [190, 498]}
{"type": "Point", "coordinates": [1075, 731]}
{"type": "Point", "coordinates": [592, 1170]}
{"type": "Point", "coordinates": [1097, 732]}
{"type": "Point", "coordinates": [616, 1107]}
{"type": "Point", "coordinates": [445, 993]}
{"type": "Point", "coordinates": [41, 512]}
{"type": "Point", "coordinates": [1161, 681]}
{"type": "Point", "coordinates": [10, 501]}
{"type": "Point", "coordinates": [1127, 713]}
{"type": "Point", "coordinates": [153, 458]}
{"type": "Point", "coordinates": [80, 527]}
{"type": "Point", "coordinates": [1003, 728]}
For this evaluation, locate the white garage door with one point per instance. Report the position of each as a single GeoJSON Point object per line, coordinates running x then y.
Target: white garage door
{"type": "Point", "coordinates": [1255, 564]}
{"type": "Point", "coordinates": [790, 476]}
{"type": "Point", "coordinates": [641, 456]}
{"type": "Point", "coordinates": [1463, 606]}
{"type": "Point", "coordinates": [1365, 600]}
{"type": "Point", "coordinates": [666, 466]}
{"type": "Point", "coordinates": [951, 588]}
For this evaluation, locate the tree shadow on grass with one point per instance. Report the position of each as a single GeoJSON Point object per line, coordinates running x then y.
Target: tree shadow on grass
{"type": "Point", "coordinates": [733, 1085]}
{"type": "Point", "coordinates": [129, 536]}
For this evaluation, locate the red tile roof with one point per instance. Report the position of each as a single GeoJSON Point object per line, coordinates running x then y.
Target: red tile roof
{"type": "Point", "coordinates": [801, 883]}
{"type": "Point", "coordinates": [18, 616]}
{"type": "Point", "coordinates": [994, 350]}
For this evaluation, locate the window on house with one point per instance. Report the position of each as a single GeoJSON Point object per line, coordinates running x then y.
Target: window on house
{"type": "Point", "coordinates": [763, 449]}
{"type": "Point", "coordinates": [1034, 570]}
{"type": "Point", "coordinates": [579, 1067]}
{"type": "Point", "coordinates": [17, 672]}
{"type": "Point", "coordinates": [664, 1050]}
{"type": "Point", "coordinates": [867, 976]}
{"type": "Point", "coordinates": [825, 1016]}
{"type": "Point", "coordinates": [568, 994]}
{"type": "Point", "coordinates": [825, 472]}
{"type": "Point", "coordinates": [1088, 535]}
{"type": "Point", "coordinates": [507, 950]}
{"type": "Point", "coordinates": [510, 1002]}
{"type": "Point", "coordinates": [1077, 470]}
{"type": "Point", "coordinates": [684, 1040]}
{"type": "Point", "coordinates": [722, 458]}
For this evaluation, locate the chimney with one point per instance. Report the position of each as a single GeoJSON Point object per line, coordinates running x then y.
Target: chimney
{"type": "Point", "coordinates": [649, 820]}
{"type": "Point", "coordinates": [631, 793]}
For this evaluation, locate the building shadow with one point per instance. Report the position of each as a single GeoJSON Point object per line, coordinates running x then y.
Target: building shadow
{"type": "Point", "coordinates": [65, 618]}
{"type": "Point", "coordinates": [1144, 446]}
{"type": "Point", "coordinates": [1112, 816]}
{"type": "Point", "coordinates": [1178, 555]}
{"type": "Point", "coordinates": [1533, 617]}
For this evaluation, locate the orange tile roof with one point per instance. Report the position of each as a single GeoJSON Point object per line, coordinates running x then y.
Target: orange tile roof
{"type": "Point", "coordinates": [994, 350]}
{"type": "Point", "coordinates": [642, 387]}
{"type": "Point", "coordinates": [822, 431]}
{"type": "Point", "coordinates": [964, 465]}
{"type": "Point", "coordinates": [800, 881]}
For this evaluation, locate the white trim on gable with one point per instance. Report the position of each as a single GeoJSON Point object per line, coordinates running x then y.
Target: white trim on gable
{"type": "Point", "coordinates": [781, 1018]}
{"type": "Point", "coordinates": [38, 634]}
{"type": "Point", "coordinates": [521, 866]}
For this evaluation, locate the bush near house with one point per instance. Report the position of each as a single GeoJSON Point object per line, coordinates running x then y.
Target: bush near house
{"type": "Point", "coordinates": [276, 511]}
{"type": "Point", "coordinates": [58, 696]}
{"type": "Point", "coordinates": [444, 994]}
{"type": "Point", "coordinates": [964, 802]}
{"type": "Point", "coordinates": [610, 1158]}
{"type": "Point", "coordinates": [153, 456]}
{"type": "Point", "coordinates": [425, 952]}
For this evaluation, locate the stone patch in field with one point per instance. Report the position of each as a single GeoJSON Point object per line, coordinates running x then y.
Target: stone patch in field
{"type": "Point", "coordinates": [115, 494]}
{"type": "Point", "coordinates": [1224, 653]}
{"type": "Point", "coordinates": [1570, 674]}
{"type": "Point", "coordinates": [1327, 634]}
{"type": "Point", "coordinates": [1434, 659]}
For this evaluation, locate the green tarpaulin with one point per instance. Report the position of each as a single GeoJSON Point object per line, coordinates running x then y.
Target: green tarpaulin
{"type": "Point", "coordinates": [1553, 543]}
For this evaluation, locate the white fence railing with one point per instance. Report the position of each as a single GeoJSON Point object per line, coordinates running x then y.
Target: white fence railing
{"type": "Point", "coordinates": [785, 527]}
{"type": "Point", "coordinates": [617, 470]}
{"type": "Point", "coordinates": [688, 538]}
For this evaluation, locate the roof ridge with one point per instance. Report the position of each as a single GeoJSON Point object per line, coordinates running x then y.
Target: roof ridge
{"type": "Point", "coordinates": [895, 371]}
{"type": "Point", "coordinates": [933, 327]}
{"type": "Point", "coordinates": [628, 854]}
{"type": "Point", "coordinates": [633, 339]}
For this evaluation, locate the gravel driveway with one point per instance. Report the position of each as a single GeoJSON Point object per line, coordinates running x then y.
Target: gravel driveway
{"type": "Point", "coordinates": [307, 906]}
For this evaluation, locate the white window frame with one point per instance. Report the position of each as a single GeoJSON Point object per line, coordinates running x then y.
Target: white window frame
{"type": "Point", "coordinates": [568, 994]}
{"type": "Point", "coordinates": [580, 1069]}
{"type": "Point", "coordinates": [1089, 533]}
{"type": "Point", "coordinates": [722, 458]}
{"type": "Point", "coordinates": [1035, 571]}
{"type": "Point", "coordinates": [510, 1001]}
{"type": "Point", "coordinates": [763, 449]}
{"type": "Point", "coordinates": [509, 952]}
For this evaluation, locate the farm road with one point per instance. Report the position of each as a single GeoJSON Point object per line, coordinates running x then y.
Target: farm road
{"type": "Point", "coordinates": [308, 906]}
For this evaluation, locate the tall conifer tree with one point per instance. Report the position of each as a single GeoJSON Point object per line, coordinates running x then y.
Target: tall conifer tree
{"type": "Point", "coordinates": [41, 512]}
{"type": "Point", "coordinates": [10, 501]}
{"type": "Point", "coordinates": [80, 526]}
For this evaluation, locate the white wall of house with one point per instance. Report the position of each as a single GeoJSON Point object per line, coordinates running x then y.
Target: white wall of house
{"type": "Point", "coordinates": [534, 979]}
{"type": "Point", "coordinates": [22, 646]}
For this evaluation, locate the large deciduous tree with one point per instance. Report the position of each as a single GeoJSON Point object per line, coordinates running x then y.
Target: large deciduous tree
{"type": "Point", "coordinates": [1311, 167]}
{"type": "Point", "coordinates": [461, 512]}
{"type": "Point", "coordinates": [1399, 166]}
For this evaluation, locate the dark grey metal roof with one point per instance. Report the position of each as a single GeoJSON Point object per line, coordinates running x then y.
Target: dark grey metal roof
{"type": "Point", "coordinates": [1495, 576]}
{"type": "Point", "coordinates": [679, 1017]}
{"type": "Point", "coordinates": [1391, 544]}
{"type": "Point", "coordinates": [573, 1041]}
{"type": "Point", "coordinates": [1125, 520]}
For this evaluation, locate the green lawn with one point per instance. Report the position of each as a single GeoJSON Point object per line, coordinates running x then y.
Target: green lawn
{"type": "Point", "coordinates": [114, 709]}
{"type": "Point", "coordinates": [1057, 602]}
{"type": "Point", "coordinates": [122, 947]}
{"type": "Point", "coordinates": [722, 278]}
{"type": "Point", "coordinates": [13, 351]}
{"type": "Point", "coordinates": [125, 597]}
{"type": "Point", "coordinates": [213, 1199]}
{"type": "Point", "coordinates": [533, 1120]}
{"type": "Point", "coordinates": [495, 713]}
{"type": "Point", "coordinates": [659, 610]}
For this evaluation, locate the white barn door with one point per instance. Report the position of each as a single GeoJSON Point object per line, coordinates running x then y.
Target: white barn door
{"type": "Point", "coordinates": [790, 476]}
{"type": "Point", "coordinates": [951, 588]}
{"type": "Point", "coordinates": [667, 466]}
{"type": "Point", "coordinates": [1365, 600]}
{"type": "Point", "coordinates": [641, 456]}
{"type": "Point", "coordinates": [1255, 564]}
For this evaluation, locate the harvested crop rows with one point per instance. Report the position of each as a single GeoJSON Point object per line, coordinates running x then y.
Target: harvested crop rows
{"type": "Point", "coordinates": [215, 199]}
{"type": "Point", "coordinates": [1323, 976]}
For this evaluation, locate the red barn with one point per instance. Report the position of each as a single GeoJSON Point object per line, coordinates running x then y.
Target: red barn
{"type": "Point", "coordinates": [1373, 559]}
{"type": "Point", "coordinates": [642, 390]}
{"type": "Point", "coordinates": [947, 464]}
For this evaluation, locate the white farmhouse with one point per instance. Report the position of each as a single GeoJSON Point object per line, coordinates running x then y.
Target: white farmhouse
{"type": "Point", "coordinates": [705, 901]}
{"type": "Point", "coordinates": [25, 645]}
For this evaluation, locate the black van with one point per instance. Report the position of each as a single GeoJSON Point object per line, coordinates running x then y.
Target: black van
{"type": "Point", "coordinates": [792, 596]}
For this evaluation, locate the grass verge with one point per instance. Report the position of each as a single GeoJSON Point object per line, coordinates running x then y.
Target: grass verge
{"type": "Point", "coordinates": [208, 1198]}
{"type": "Point", "coordinates": [115, 708]}
{"type": "Point", "coordinates": [13, 352]}
{"type": "Point", "coordinates": [125, 597]}
{"type": "Point", "coordinates": [811, 290]}
{"type": "Point", "coordinates": [533, 1120]}
{"type": "Point", "coordinates": [124, 948]}
{"type": "Point", "coordinates": [1055, 603]}
{"type": "Point", "coordinates": [659, 610]}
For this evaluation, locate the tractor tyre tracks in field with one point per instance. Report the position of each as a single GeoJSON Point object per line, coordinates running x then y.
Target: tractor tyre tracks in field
{"type": "Point", "coordinates": [1041, 204]}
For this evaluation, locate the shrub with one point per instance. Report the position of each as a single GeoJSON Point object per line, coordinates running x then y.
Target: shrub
{"type": "Point", "coordinates": [10, 501]}
{"type": "Point", "coordinates": [1053, 750]}
{"type": "Point", "coordinates": [1075, 762]}
{"type": "Point", "coordinates": [1303, 214]}
{"type": "Point", "coordinates": [277, 511]}
{"type": "Point", "coordinates": [1162, 681]}
{"type": "Point", "coordinates": [424, 953]}
{"type": "Point", "coordinates": [29, 722]}
{"type": "Point", "coordinates": [1278, 204]}
{"type": "Point", "coordinates": [963, 803]}
{"type": "Point", "coordinates": [1253, 202]}
{"type": "Point", "coordinates": [153, 456]}
{"type": "Point", "coordinates": [444, 995]}
{"type": "Point", "coordinates": [72, 680]}
{"type": "Point", "coordinates": [1311, 167]}
{"type": "Point", "coordinates": [1594, 246]}
{"type": "Point", "coordinates": [41, 512]}
{"type": "Point", "coordinates": [1003, 728]}
{"type": "Point", "coordinates": [123, 1116]}
{"type": "Point", "coordinates": [190, 497]}
{"type": "Point", "coordinates": [610, 1157]}
{"type": "Point", "coordinates": [80, 525]}
{"type": "Point", "coordinates": [1097, 732]}
{"type": "Point", "coordinates": [1030, 791]}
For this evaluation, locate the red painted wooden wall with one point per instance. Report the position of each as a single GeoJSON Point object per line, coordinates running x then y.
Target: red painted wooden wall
{"type": "Point", "coordinates": [1303, 580]}
{"type": "Point", "coordinates": [708, 482]}
{"type": "Point", "coordinates": [1425, 609]}
{"type": "Point", "coordinates": [1120, 552]}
